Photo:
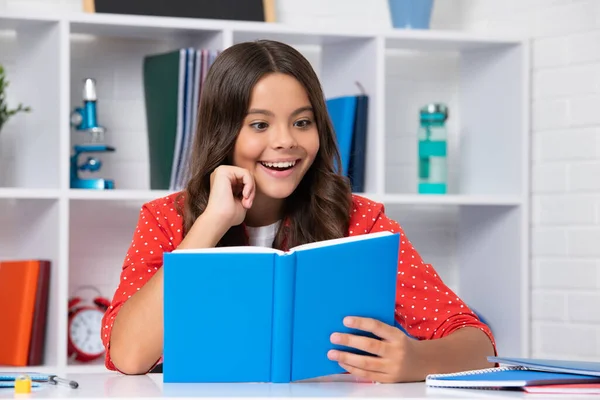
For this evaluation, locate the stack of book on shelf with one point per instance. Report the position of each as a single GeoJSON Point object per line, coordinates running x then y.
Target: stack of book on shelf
{"type": "Point", "coordinates": [172, 88]}
{"type": "Point", "coordinates": [349, 116]}
{"type": "Point", "coordinates": [526, 374]}
{"type": "Point", "coordinates": [24, 286]}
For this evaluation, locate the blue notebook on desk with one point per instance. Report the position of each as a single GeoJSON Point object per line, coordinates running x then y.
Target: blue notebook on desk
{"type": "Point", "coordinates": [505, 377]}
{"type": "Point", "coordinates": [254, 314]}
{"type": "Point", "coordinates": [564, 366]}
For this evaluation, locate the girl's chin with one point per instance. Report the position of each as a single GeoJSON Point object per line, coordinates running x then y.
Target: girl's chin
{"type": "Point", "coordinates": [279, 192]}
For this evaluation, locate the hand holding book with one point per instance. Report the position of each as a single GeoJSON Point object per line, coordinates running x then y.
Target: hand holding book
{"type": "Point", "coordinates": [390, 351]}
{"type": "Point", "coordinates": [293, 301]}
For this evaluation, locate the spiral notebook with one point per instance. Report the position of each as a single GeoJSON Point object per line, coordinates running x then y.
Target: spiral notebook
{"type": "Point", "coordinates": [505, 377]}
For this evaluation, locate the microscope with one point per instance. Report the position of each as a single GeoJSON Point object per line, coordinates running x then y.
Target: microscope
{"type": "Point", "coordinates": [84, 119]}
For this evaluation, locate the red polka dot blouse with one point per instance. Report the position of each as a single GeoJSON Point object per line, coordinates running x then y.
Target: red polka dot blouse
{"type": "Point", "coordinates": [425, 307]}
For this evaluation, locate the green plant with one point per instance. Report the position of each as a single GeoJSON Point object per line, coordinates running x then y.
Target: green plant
{"type": "Point", "coordinates": [5, 112]}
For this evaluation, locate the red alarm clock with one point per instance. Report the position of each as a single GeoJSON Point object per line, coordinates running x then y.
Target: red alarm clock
{"type": "Point", "coordinates": [85, 322]}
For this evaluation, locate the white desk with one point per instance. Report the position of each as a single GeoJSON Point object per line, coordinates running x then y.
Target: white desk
{"type": "Point", "coordinates": [114, 385]}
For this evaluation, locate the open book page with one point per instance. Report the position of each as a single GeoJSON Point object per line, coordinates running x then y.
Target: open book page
{"type": "Point", "coordinates": [333, 242]}
{"type": "Point", "coordinates": [232, 249]}
{"type": "Point", "coordinates": [262, 250]}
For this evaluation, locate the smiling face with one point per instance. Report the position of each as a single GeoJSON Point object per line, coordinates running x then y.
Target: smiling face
{"type": "Point", "coordinates": [279, 140]}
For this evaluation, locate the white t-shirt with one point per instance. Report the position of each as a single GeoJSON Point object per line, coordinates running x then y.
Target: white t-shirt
{"type": "Point", "coordinates": [262, 235]}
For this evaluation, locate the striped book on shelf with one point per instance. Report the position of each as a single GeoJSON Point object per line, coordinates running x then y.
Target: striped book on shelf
{"type": "Point", "coordinates": [172, 88]}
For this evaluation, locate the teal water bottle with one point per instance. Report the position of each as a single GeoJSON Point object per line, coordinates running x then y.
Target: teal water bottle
{"type": "Point", "coordinates": [432, 149]}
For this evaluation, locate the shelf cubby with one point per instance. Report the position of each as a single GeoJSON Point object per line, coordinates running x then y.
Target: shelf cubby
{"type": "Point", "coordinates": [31, 53]}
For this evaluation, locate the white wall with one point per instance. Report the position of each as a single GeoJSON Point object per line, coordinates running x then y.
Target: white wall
{"type": "Point", "coordinates": [566, 167]}
{"type": "Point", "coordinates": [566, 145]}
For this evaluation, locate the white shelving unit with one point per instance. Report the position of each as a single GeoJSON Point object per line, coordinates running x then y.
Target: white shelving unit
{"type": "Point", "coordinates": [85, 233]}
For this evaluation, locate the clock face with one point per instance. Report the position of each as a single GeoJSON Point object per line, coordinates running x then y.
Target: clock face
{"type": "Point", "coordinates": [85, 331]}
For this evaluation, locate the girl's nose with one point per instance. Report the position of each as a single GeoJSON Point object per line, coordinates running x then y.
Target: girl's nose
{"type": "Point", "coordinates": [283, 139]}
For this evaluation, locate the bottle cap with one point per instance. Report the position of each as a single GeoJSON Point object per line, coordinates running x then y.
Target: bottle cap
{"type": "Point", "coordinates": [23, 384]}
{"type": "Point", "coordinates": [89, 89]}
{"type": "Point", "coordinates": [439, 109]}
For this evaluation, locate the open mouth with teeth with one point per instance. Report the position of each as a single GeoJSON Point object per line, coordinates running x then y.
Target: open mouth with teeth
{"type": "Point", "coordinates": [279, 166]}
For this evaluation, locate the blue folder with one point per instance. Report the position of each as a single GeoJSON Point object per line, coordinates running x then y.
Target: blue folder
{"type": "Point", "coordinates": [349, 117]}
{"type": "Point", "coordinates": [540, 364]}
{"type": "Point", "coordinates": [358, 154]}
{"type": "Point", "coordinates": [342, 112]}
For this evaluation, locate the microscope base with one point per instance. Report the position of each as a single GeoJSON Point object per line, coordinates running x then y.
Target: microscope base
{"type": "Point", "coordinates": [92, 184]}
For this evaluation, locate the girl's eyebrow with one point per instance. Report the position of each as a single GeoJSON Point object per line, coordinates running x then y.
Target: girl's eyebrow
{"type": "Point", "coordinates": [269, 113]}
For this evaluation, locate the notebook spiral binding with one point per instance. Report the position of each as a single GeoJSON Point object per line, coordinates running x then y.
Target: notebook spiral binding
{"type": "Point", "coordinates": [477, 371]}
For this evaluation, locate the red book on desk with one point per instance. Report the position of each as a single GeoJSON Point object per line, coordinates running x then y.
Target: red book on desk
{"type": "Point", "coordinates": [24, 301]}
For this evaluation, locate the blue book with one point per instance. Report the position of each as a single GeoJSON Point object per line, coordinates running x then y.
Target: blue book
{"type": "Point", "coordinates": [187, 110]}
{"type": "Point", "coordinates": [563, 366]}
{"type": "Point", "coordinates": [358, 154]}
{"type": "Point", "coordinates": [505, 377]}
{"type": "Point", "coordinates": [342, 112]}
{"type": "Point", "coordinates": [254, 314]}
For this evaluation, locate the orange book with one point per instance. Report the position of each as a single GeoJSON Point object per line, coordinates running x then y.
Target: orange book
{"type": "Point", "coordinates": [23, 301]}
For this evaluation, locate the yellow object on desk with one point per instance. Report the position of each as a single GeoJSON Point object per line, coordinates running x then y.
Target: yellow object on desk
{"type": "Point", "coordinates": [23, 384]}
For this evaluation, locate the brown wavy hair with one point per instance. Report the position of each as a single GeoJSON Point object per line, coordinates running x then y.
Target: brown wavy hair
{"type": "Point", "coordinates": [319, 208]}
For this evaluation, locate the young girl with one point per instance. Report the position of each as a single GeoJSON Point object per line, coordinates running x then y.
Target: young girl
{"type": "Point", "coordinates": [263, 172]}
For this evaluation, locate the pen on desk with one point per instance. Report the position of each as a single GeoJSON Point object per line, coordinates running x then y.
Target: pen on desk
{"type": "Point", "coordinates": [54, 379]}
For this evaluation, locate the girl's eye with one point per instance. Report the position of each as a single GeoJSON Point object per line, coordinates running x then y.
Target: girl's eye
{"type": "Point", "coordinates": [303, 123]}
{"type": "Point", "coordinates": [260, 126]}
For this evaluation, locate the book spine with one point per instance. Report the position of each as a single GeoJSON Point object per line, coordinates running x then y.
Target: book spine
{"type": "Point", "coordinates": [38, 329]}
{"type": "Point", "coordinates": [283, 318]}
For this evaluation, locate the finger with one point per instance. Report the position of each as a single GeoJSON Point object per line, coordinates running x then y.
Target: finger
{"type": "Point", "coordinates": [369, 363]}
{"type": "Point", "coordinates": [378, 328]}
{"type": "Point", "coordinates": [237, 188]}
{"type": "Point", "coordinates": [212, 178]}
{"type": "Point", "coordinates": [370, 345]}
{"type": "Point", "coordinates": [368, 375]}
{"type": "Point", "coordinates": [250, 190]}
{"type": "Point", "coordinates": [243, 175]}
